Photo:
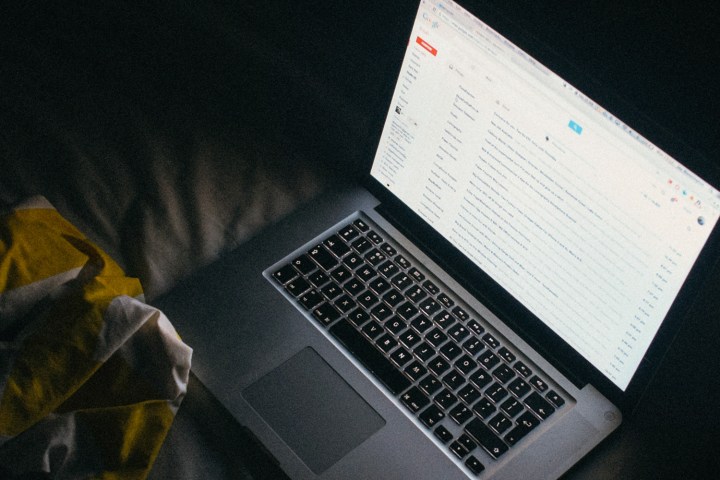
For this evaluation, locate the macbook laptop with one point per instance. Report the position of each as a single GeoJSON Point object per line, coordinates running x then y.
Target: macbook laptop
{"type": "Point", "coordinates": [489, 304]}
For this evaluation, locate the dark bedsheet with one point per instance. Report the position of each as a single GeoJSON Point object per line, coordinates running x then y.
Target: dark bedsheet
{"type": "Point", "coordinates": [170, 132]}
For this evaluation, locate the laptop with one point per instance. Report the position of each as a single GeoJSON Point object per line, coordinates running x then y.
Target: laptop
{"type": "Point", "coordinates": [488, 304]}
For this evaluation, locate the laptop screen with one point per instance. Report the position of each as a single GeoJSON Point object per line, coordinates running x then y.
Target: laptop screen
{"type": "Point", "coordinates": [590, 226]}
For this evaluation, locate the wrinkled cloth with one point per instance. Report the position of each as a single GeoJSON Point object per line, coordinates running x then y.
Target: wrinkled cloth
{"type": "Point", "coordinates": [91, 377]}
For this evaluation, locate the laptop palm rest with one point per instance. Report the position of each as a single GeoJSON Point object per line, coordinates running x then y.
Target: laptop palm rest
{"type": "Point", "coordinates": [318, 415]}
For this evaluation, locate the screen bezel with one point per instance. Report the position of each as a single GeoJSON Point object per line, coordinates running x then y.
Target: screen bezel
{"type": "Point", "coordinates": [519, 318]}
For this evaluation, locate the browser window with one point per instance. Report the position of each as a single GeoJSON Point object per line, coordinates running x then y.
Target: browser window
{"type": "Point", "coordinates": [589, 225]}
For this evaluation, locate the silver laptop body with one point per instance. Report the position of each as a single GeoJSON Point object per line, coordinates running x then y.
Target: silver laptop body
{"type": "Point", "coordinates": [538, 244]}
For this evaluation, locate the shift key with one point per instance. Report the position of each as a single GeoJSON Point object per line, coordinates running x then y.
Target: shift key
{"type": "Point", "coordinates": [486, 438]}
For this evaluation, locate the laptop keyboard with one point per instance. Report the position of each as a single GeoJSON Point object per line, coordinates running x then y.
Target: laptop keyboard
{"type": "Point", "coordinates": [437, 358]}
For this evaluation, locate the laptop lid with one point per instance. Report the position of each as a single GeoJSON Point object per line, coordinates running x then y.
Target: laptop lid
{"type": "Point", "coordinates": [569, 222]}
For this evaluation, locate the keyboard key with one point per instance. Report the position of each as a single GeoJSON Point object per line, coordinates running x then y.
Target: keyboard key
{"type": "Point", "coordinates": [379, 285]}
{"type": "Point", "coordinates": [503, 373]}
{"type": "Point", "coordinates": [336, 245]}
{"type": "Point", "coordinates": [429, 306]}
{"type": "Point", "coordinates": [460, 314]}
{"type": "Point", "coordinates": [372, 329]}
{"type": "Point", "coordinates": [415, 370]}
{"type": "Point", "coordinates": [484, 408]}
{"type": "Point", "coordinates": [318, 278]}
{"type": "Point", "coordinates": [348, 233]}
{"type": "Point", "coordinates": [409, 338]}
{"type": "Point", "coordinates": [453, 380]}
{"type": "Point", "coordinates": [310, 298]}
{"type": "Point", "coordinates": [374, 237]}
{"type": "Point", "coordinates": [525, 423]}
{"type": "Point", "coordinates": [488, 359]}
{"type": "Point", "coordinates": [445, 300]}
{"type": "Point", "coordinates": [367, 299]}
{"type": "Point", "coordinates": [381, 312]}
{"type": "Point", "coordinates": [438, 365]}
{"type": "Point", "coordinates": [459, 450]}
{"type": "Point", "coordinates": [361, 225]}
{"type": "Point", "coordinates": [474, 326]}
{"type": "Point", "coordinates": [450, 351]}
{"type": "Point", "coordinates": [480, 378]}
{"type": "Point", "coordinates": [401, 281]}
{"type": "Point", "coordinates": [429, 384]}
{"type": "Point", "coordinates": [443, 434]}
{"type": "Point", "coordinates": [345, 303]}
{"type": "Point", "coordinates": [431, 288]}
{"type": "Point", "coordinates": [407, 311]}
{"type": "Point", "coordinates": [416, 274]}
{"type": "Point", "coordinates": [395, 325]}
{"type": "Point", "coordinates": [375, 257]}
{"type": "Point", "coordinates": [496, 392]}
{"type": "Point", "coordinates": [354, 287]}
{"type": "Point", "coordinates": [393, 298]}
{"type": "Point", "coordinates": [468, 394]}
{"type": "Point", "coordinates": [474, 465]}
{"type": "Point", "coordinates": [444, 319]}
{"type": "Point", "coordinates": [415, 294]}
{"type": "Point", "coordinates": [297, 286]}
{"type": "Point", "coordinates": [538, 383]}
{"type": "Point", "coordinates": [366, 273]}
{"type": "Point", "coordinates": [326, 314]}
{"type": "Point", "coordinates": [500, 423]}
{"type": "Point", "coordinates": [466, 364]}
{"type": "Point", "coordinates": [445, 399]}
{"type": "Point", "coordinates": [522, 369]}
{"type": "Point", "coordinates": [539, 405]}
{"type": "Point", "coordinates": [353, 261]}
{"type": "Point", "coordinates": [473, 346]}
{"type": "Point", "coordinates": [467, 442]}
{"type": "Point", "coordinates": [323, 257]}
{"type": "Point", "coordinates": [424, 351]}
{"type": "Point", "coordinates": [361, 245]}
{"type": "Point", "coordinates": [460, 414]}
{"type": "Point", "coordinates": [555, 399]}
{"type": "Point", "coordinates": [358, 317]}
{"type": "Point", "coordinates": [285, 274]}
{"type": "Point", "coordinates": [431, 415]}
{"type": "Point", "coordinates": [388, 269]}
{"type": "Point", "coordinates": [331, 291]}
{"type": "Point", "coordinates": [519, 387]}
{"type": "Point", "coordinates": [388, 249]}
{"type": "Point", "coordinates": [414, 399]}
{"type": "Point", "coordinates": [435, 337]}
{"type": "Point", "coordinates": [512, 407]}
{"type": "Point", "coordinates": [490, 341]}
{"type": "Point", "coordinates": [400, 356]}
{"type": "Point", "coordinates": [304, 265]}
{"type": "Point", "coordinates": [386, 343]}
{"type": "Point", "coordinates": [340, 274]}
{"type": "Point", "coordinates": [458, 332]}
{"type": "Point", "coordinates": [402, 262]}
{"type": "Point", "coordinates": [479, 432]}
{"type": "Point", "coordinates": [506, 355]}
{"type": "Point", "coordinates": [421, 324]}
{"type": "Point", "coordinates": [369, 356]}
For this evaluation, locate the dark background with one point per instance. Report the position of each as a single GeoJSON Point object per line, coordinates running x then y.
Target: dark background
{"type": "Point", "coordinates": [80, 80]}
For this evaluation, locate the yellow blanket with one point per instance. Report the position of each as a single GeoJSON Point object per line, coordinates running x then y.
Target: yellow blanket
{"type": "Point", "coordinates": [90, 376]}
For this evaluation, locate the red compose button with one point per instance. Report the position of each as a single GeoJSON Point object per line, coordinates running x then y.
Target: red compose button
{"type": "Point", "coordinates": [426, 46]}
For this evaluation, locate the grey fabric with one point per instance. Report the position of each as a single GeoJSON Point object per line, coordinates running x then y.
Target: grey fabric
{"type": "Point", "coordinates": [170, 132]}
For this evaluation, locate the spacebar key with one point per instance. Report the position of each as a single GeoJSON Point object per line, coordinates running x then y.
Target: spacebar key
{"type": "Point", "coordinates": [370, 356]}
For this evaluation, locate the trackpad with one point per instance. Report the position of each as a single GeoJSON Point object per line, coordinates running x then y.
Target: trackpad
{"type": "Point", "coordinates": [313, 410]}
